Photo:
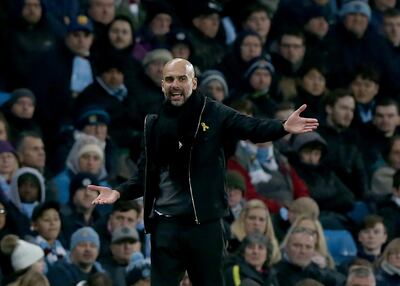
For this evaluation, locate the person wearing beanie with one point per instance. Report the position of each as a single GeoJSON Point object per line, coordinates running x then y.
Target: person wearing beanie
{"type": "Point", "coordinates": [156, 29]}
{"type": "Point", "coordinates": [24, 256]}
{"type": "Point", "coordinates": [236, 187]}
{"type": "Point", "coordinates": [213, 84]}
{"type": "Point", "coordinates": [8, 165]}
{"type": "Point", "coordinates": [180, 45]}
{"type": "Point", "coordinates": [86, 155]}
{"type": "Point", "coordinates": [80, 211]}
{"type": "Point", "coordinates": [46, 224]}
{"type": "Point", "coordinates": [84, 250]}
{"type": "Point", "coordinates": [184, 184]}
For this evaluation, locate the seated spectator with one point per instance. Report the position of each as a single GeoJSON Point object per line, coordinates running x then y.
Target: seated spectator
{"type": "Point", "coordinates": [25, 257]}
{"type": "Point", "coordinates": [180, 45]}
{"type": "Point", "coordinates": [31, 150]}
{"type": "Point", "coordinates": [85, 245]}
{"type": "Point", "coordinates": [139, 274]}
{"type": "Point", "coordinates": [333, 197]}
{"type": "Point", "coordinates": [86, 155]}
{"type": "Point", "coordinates": [304, 206]}
{"type": "Point", "coordinates": [236, 188]}
{"type": "Point", "coordinates": [31, 278]}
{"type": "Point", "coordinates": [321, 256]}
{"type": "Point", "coordinates": [389, 208]}
{"type": "Point", "coordinates": [19, 111]}
{"type": "Point", "coordinates": [360, 275]}
{"type": "Point", "coordinates": [124, 213]}
{"type": "Point", "coordinates": [388, 270]}
{"type": "Point", "coordinates": [80, 211]}
{"type": "Point", "coordinates": [46, 222]}
{"type": "Point", "coordinates": [27, 191]}
{"type": "Point", "coordinates": [254, 217]}
{"type": "Point", "coordinates": [251, 262]}
{"type": "Point", "coordinates": [297, 263]}
{"type": "Point", "coordinates": [308, 282]}
{"type": "Point", "coordinates": [8, 166]}
{"type": "Point", "coordinates": [213, 84]}
{"type": "Point", "coordinates": [124, 242]}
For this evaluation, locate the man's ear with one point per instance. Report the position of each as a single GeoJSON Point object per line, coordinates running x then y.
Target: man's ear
{"type": "Point", "coordinates": [328, 109]}
{"type": "Point", "coordinates": [162, 86]}
{"type": "Point", "coordinates": [194, 80]}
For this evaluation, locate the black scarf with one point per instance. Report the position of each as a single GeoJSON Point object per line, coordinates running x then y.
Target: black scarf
{"type": "Point", "coordinates": [174, 134]}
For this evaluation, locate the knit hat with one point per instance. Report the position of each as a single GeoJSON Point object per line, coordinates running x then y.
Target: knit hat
{"type": "Point", "coordinates": [41, 208]}
{"type": "Point", "coordinates": [92, 115]}
{"type": "Point", "coordinates": [140, 271]}
{"type": "Point", "coordinates": [124, 233]}
{"type": "Point", "coordinates": [111, 61]}
{"type": "Point", "coordinates": [309, 139]}
{"type": "Point", "coordinates": [356, 6]}
{"type": "Point", "coordinates": [162, 55]}
{"type": "Point", "coordinates": [81, 181]}
{"type": "Point", "coordinates": [91, 147]}
{"type": "Point", "coordinates": [84, 234]}
{"type": "Point", "coordinates": [312, 12]}
{"type": "Point", "coordinates": [235, 180]}
{"type": "Point", "coordinates": [205, 8]}
{"type": "Point", "coordinates": [6, 147]}
{"type": "Point", "coordinates": [179, 37]}
{"type": "Point", "coordinates": [80, 23]}
{"type": "Point", "coordinates": [259, 63]}
{"type": "Point", "coordinates": [21, 92]}
{"type": "Point", "coordinates": [210, 75]}
{"type": "Point", "coordinates": [23, 254]}
{"type": "Point", "coordinates": [154, 8]}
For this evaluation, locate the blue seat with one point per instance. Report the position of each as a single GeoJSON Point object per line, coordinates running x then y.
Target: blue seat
{"type": "Point", "coordinates": [341, 245]}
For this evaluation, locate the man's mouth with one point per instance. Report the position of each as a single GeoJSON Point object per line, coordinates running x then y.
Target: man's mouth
{"type": "Point", "coordinates": [176, 96]}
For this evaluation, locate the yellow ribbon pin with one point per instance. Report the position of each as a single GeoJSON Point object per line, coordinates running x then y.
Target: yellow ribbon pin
{"type": "Point", "coordinates": [204, 126]}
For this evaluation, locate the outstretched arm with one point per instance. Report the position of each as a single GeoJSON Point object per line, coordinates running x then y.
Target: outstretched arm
{"type": "Point", "coordinates": [296, 124]}
{"type": "Point", "coordinates": [106, 195]}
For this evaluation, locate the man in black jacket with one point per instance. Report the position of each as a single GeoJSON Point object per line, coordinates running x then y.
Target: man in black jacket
{"type": "Point", "coordinates": [182, 174]}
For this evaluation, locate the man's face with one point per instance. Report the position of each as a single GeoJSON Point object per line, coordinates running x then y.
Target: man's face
{"type": "Point", "coordinates": [29, 192]}
{"type": "Point", "coordinates": [114, 78]}
{"type": "Point", "coordinates": [258, 22]}
{"type": "Point", "coordinates": [48, 225]}
{"type": "Point", "coordinates": [154, 71]}
{"type": "Point", "coordinates": [255, 255]}
{"type": "Point", "coordinates": [79, 42]}
{"type": "Point", "coordinates": [386, 119]}
{"type": "Point", "coordinates": [394, 258]}
{"type": "Point", "coordinates": [356, 23]}
{"type": "Point", "coordinates": [83, 199]}
{"type": "Point", "coordinates": [215, 88]}
{"type": "Point", "coordinates": [122, 251]}
{"type": "Point", "coordinates": [314, 82]}
{"type": "Point", "coordinates": [178, 82]}
{"type": "Point", "coordinates": [8, 164]}
{"type": "Point", "coordinates": [391, 28]}
{"type": "Point", "coordinates": [317, 26]}
{"type": "Point", "coordinates": [84, 254]}
{"type": "Point", "coordinates": [161, 24]}
{"type": "Point", "coordinates": [235, 196]}
{"type": "Point", "coordinates": [32, 11]}
{"type": "Point", "coordinates": [364, 89]}
{"type": "Point", "coordinates": [342, 112]}
{"type": "Point", "coordinates": [24, 107]}
{"type": "Point", "coordinates": [118, 219]}
{"type": "Point", "coordinates": [100, 131]}
{"type": "Point", "coordinates": [300, 248]}
{"type": "Point", "coordinates": [260, 80]}
{"type": "Point", "coordinates": [208, 24]}
{"type": "Point", "coordinates": [251, 48]}
{"type": "Point", "coordinates": [394, 155]}
{"type": "Point", "coordinates": [120, 34]}
{"type": "Point", "coordinates": [32, 153]}
{"type": "Point", "coordinates": [102, 11]}
{"type": "Point", "coordinates": [180, 50]}
{"type": "Point", "coordinates": [292, 48]}
{"type": "Point", "coordinates": [311, 156]}
{"type": "Point", "coordinates": [373, 238]}
{"type": "Point", "coordinates": [255, 221]}
{"type": "Point", "coordinates": [361, 281]}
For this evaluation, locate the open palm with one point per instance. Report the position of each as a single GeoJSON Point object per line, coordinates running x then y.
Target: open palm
{"type": "Point", "coordinates": [296, 124]}
{"type": "Point", "coordinates": [106, 195]}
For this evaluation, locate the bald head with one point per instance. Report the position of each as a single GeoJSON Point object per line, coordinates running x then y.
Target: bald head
{"type": "Point", "coordinates": [179, 81]}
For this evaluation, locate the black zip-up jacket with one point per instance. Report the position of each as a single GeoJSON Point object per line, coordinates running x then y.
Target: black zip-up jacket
{"type": "Point", "coordinates": [213, 123]}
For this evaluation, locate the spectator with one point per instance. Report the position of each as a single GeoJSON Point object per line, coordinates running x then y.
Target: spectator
{"type": "Point", "coordinates": [254, 217]}
{"type": "Point", "coordinates": [257, 17]}
{"type": "Point", "coordinates": [180, 45]}
{"type": "Point", "coordinates": [25, 257]}
{"type": "Point", "coordinates": [213, 84]}
{"type": "Point", "coordinates": [387, 273]}
{"type": "Point", "coordinates": [46, 222]}
{"type": "Point", "coordinates": [8, 166]}
{"type": "Point", "coordinates": [124, 242]}
{"type": "Point", "coordinates": [31, 151]}
{"type": "Point", "coordinates": [85, 245]}
{"type": "Point", "coordinates": [299, 249]}
{"type": "Point", "coordinates": [360, 275]}
{"type": "Point", "coordinates": [236, 187]}
{"type": "Point", "coordinates": [139, 274]}
{"type": "Point", "coordinates": [251, 262]}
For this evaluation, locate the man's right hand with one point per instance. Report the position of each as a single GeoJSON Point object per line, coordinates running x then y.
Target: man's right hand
{"type": "Point", "coordinates": [106, 195]}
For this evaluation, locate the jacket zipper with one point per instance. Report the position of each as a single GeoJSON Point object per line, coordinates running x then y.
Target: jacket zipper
{"type": "Point", "coordinates": [190, 162]}
{"type": "Point", "coordinates": [145, 166]}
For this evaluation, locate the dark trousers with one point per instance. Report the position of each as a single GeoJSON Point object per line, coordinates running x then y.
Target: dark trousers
{"type": "Point", "coordinates": [179, 245]}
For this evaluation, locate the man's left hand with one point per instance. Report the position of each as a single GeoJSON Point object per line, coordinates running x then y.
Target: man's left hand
{"type": "Point", "coordinates": [296, 124]}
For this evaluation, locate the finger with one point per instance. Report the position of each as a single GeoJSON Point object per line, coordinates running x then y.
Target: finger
{"type": "Point", "coordinates": [95, 188]}
{"type": "Point", "coordinates": [300, 109]}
